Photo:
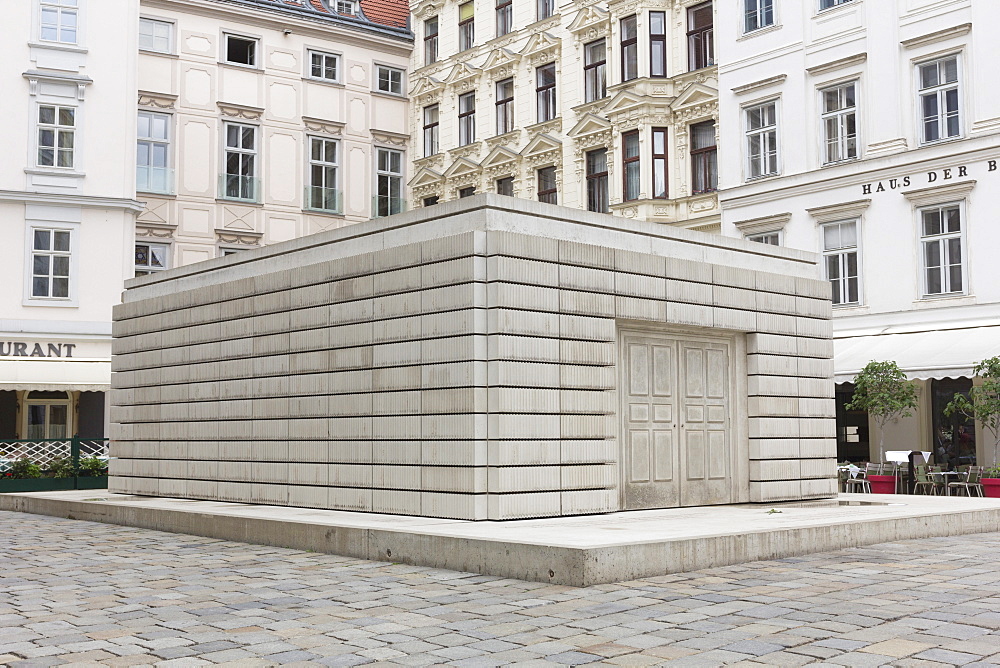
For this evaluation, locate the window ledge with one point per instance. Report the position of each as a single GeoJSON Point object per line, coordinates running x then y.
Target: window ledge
{"type": "Point", "coordinates": [53, 303]}
{"type": "Point", "coordinates": [160, 54]}
{"type": "Point", "coordinates": [55, 171]}
{"type": "Point", "coordinates": [324, 82]}
{"type": "Point", "coordinates": [58, 46]}
{"type": "Point", "coordinates": [322, 212]}
{"type": "Point", "coordinates": [153, 193]}
{"type": "Point", "coordinates": [243, 202]}
{"type": "Point", "coordinates": [935, 301]}
{"type": "Point", "coordinates": [242, 68]}
{"type": "Point", "coordinates": [393, 96]}
{"type": "Point", "coordinates": [846, 310]}
{"type": "Point", "coordinates": [823, 13]}
{"type": "Point", "coordinates": [762, 177]}
{"type": "Point", "coordinates": [759, 31]}
{"type": "Point", "coordinates": [943, 140]}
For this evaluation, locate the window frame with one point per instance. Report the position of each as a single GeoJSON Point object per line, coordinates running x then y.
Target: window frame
{"type": "Point", "coordinates": [763, 10]}
{"type": "Point", "coordinates": [256, 41]}
{"type": "Point", "coordinates": [659, 160]}
{"type": "Point", "coordinates": [431, 40]}
{"type": "Point", "coordinates": [29, 298]}
{"type": "Point", "coordinates": [390, 70]}
{"type": "Point", "coordinates": [152, 141]}
{"type": "Point", "coordinates": [504, 15]}
{"type": "Point", "coordinates": [466, 27]}
{"type": "Point", "coordinates": [941, 239]}
{"type": "Point", "coordinates": [654, 39]}
{"type": "Point", "coordinates": [467, 191]}
{"type": "Point", "coordinates": [940, 92]}
{"type": "Point", "coordinates": [697, 38]}
{"type": "Point", "coordinates": [253, 180]}
{"type": "Point", "coordinates": [504, 107]}
{"type": "Point", "coordinates": [352, 7]}
{"type": "Point", "coordinates": [833, 4]}
{"type": "Point", "coordinates": [58, 130]}
{"type": "Point", "coordinates": [840, 115]}
{"type": "Point", "coordinates": [467, 119]}
{"type": "Point", "coordinates": [390, 178]}
{"type": "Point", "coordinates": [631, 183]}
{"type": "Point", "coordinates": [595, 74]}
{"type": "Point", "coordinates": [506, 180]}
{"type": "Point", "coordinates": [704, 165]}
{"type": "Point", "coordinates": [145, 270]}
{"type": "Point", "coordinates": [310, 66]}
{"type": "Point", "coordinates": [170, 50]}
{"type": "Point", "coordinates": [325, 165]}
{"type": "Point", "coordinates": [748, 132]}
{"type": "Point", "coordinates": [628, 46]}
{"type": "Point", "coordinates": [842, 252]}
{"type": "Point", "coordinates": [545, 94]}
{"type": "Point", "coordinates": [544, 9]}
{"type": "Point", "coordinates": [548, 195]}
{"type": "Point", "coordinates": [61, 8]}
{"type": "Point", "coordinates": [432, 130]}
{"type": "Point", "coordinates": [763, 237]}
{"type": "Point", "coordinates": [597, 180]}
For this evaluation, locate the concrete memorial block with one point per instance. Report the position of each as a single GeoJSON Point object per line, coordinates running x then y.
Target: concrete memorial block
{"type": "Point", "coordinates": [488, 358]}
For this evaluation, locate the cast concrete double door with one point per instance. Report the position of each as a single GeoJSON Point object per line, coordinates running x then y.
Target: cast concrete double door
{"type": "Point", "coordinates": [676, 405]}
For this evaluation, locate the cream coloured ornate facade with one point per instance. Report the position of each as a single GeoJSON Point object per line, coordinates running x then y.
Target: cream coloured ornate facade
{"type": "Point", "coordinates": [607, 106]}
{"type": "Point", "coordinates": [261, 121]}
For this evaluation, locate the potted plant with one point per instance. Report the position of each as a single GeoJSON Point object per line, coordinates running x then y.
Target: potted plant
{"type": "Point", "coordinates": [983, 405]}
{"type": "Point", "coordinates": [883, 390]}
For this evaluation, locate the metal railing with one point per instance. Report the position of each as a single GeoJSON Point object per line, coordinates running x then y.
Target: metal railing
{"type": "Point", "coordinates": [154, 180]}
{"type": "Point", "coordinates": [324, 200]}
{"type": "Point", "coordinates": [47, 453]}
{"type": "Point", "coordinates": [239, 187]}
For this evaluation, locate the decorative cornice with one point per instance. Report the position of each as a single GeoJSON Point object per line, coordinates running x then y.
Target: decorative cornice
{"type": "Point", "coordinates": [771, 223]}
{"type": "Point", "coordinates": [843, 211]}
{"type": "Point", "coordinates": [390, 138]}
{"type": "Point", "coordinates": [545, 127]}
{"type": "Point", "coordinates": [132, 205]}
{"type": "Point", "coordinates": [757, 85]}
{"type": "Point", "coordinates": [937, 36]}
{"type": "Point", "coordinates": [466, 150]}
{"type": "Point", "coordinates": [148, 230]}
{"type": "Point", "coordinates": [241, 237]}
{"type": "Point", "coordinates": [940, 194]}
{"type": "Point", "coordinates": [509, 139]}
{"type": "Point", "coordinates": [240, 111]}
{"type": "Point", "coordinates": [156, 100]}
{"type": "Point", "coordinates": [856, 59]}
{"type": "Point", "coordinates": [80, 81]}
{"type": "Point", "coordinates": [323, 125]}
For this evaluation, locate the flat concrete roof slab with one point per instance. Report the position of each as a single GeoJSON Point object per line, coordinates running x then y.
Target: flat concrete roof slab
{"type": "Point", "coordinates": [578, 551]}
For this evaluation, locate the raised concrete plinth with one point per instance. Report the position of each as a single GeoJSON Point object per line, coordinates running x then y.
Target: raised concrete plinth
{"type": "Point", "coordinates": [578, 551]}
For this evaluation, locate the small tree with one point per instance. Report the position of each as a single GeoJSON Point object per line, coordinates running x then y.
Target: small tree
{"type": "Point", "coordinates": [983, 402]}
{"type": "Point", "coordinates": [883, 390]}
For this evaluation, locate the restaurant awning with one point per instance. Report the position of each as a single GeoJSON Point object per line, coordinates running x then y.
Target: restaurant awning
{"type": "Point", "coordinates": [941, 353]}
{"type": "Point", "coordinates": [60, 375]}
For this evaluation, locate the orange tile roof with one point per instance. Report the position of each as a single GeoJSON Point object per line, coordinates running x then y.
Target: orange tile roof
{"type": "Point", "coordinates": [391, 13]}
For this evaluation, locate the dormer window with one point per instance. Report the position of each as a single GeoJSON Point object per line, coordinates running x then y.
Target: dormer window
{"type": "Point", "coordinates": [347, 7]}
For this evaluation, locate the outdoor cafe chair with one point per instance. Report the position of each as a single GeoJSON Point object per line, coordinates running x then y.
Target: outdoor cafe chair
{"type": "Point", "coordinates": [971, 483]}
{"type": "Point", "coordinates": [860, 483]}
{"type": "Point", "coordinates": [924, 483]}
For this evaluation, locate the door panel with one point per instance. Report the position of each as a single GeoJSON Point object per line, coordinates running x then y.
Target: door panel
{"type": "Point", "coordinates": [677, 445]}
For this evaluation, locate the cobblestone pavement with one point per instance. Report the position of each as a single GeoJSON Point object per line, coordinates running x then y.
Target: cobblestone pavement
{"type": "Point", "coordinates": [85, 593]}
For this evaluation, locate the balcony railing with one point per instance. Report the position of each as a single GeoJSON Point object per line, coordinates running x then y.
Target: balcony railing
{"type": "Point", "coordinates": [324, 200]}
{"type": "Point", "coordinates": [239, 187]}
{"type": "Point", "coordinates": [383, 205]}
{"type": "Point", "coordinates": [154, 180]}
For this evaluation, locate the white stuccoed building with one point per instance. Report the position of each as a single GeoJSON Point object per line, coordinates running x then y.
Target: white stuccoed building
{"type": "Point", "coordinates": [870, 132]}
{"type": "Point", "coordinates": [67, 206]}
{"type": "Point", "coordinates": [606, 106]}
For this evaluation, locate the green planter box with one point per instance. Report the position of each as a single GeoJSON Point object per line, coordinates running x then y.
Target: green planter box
{"type": "Point", "coordinates": [16, 485]}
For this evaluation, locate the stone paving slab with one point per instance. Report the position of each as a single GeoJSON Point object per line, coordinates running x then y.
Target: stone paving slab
{"type": "Point", "coordinates": [578, 551]}
{"type": "Point", "coordinates": [83, 593]}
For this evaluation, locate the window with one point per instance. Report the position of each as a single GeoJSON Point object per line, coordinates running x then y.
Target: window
{"type": "Point", "coordinates": [769, 238]}
{"type": "Point", "coordinates": [630, 164]}
{"type": "Point", "coordinates": [155, 35]}
{"type": "Point", "coordinates": [322, 193]}
{"type": "Point", "coordinates": [505, 186]}
{"type": "Point", "coordinates": [389, 182]}
{"type": "Point", "coordinates": [547, 191]}
{"type": "Point", "coordinates": [466, 119]}
{"type": "Point", "coordinates": [701, 47]}
{"type": "Point", "coordinates": [389, 79]}
{"type": "Point", "coordinates": [346, 7]}
{"type": "Point", "coordinates": [56, 135]}
{"type": "Point", "coordinates": [545, 92]}
{"type": "Point", "coordinates": [505, 17]}
{"type": "Point", "coordinates": [48, 415]}
{"type": "Point", "coordinates": [657, 44]}
{"type": "Point", "coordinates": [466, 192]}
{"type": "Point", "coordinates": [840, 125]}
{"type": "Point", "coordinates": [762, 140]}
{"type": "Point", "coordinates": [941, 242]}
{"type": "Point", "coordinates": [466, 25]}
{"type": "Point", "coordinates": [58, 21]}
{"type": "Point", "coordinates": [630, 48]}
{"type": "Point", "coordinates": [704, 158]}
{"type": "Point", "coordinates": [325, 66]}
{"type": "Point", "coordinates": [505, 106]}
{"type": "Point", "coordinates": [430, 41]}
{"type": "Point", "coordinates": [659, 163]}
{"type": "Point", "coordinates": [50, 258]}
{"type": "Point", "coordinates": [595, 59]}
{"type": "Point", "coordinates": [827, 4]}
{"type": "Point", "coordinates": [939, 99]}
{"type": "Point", "coordinates": [546, 8]}
{"type": "Point", "coordinates": [430, 130]}
{"type": "Point", "coordinates": [152, 172]}
{"type": "Point", "coordinates": [597, 180]}
{"type": "Point", "coordinates": [758, 14]}
{"type": "Point", "coordinates": [840, 254]}
{"type": "Point", "coordinates": [240, 179]}
{"type": "Point", "coordinates": [432, 200]}
{"type": "Point", "coordinates": [150, 258]}
{"type": "Point", "coordinates": [241, 50]}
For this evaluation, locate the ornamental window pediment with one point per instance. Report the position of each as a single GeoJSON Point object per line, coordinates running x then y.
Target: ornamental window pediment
{"type": "Point", "coordinates": [695, 94]}
{"type": "Point", "coordinates": [541, 46]}
{"type": "Point", "coordinates": [623, 101]}
{"type": "Point", "coordinates": [590, 23]}
{"type": "Point", "coordinates": [462, 72]}
{"type": "Point", "coordinates": [588, 125]}
{"type": "Point", "coordinates": [500, 58]}
{"type": "Point", "coordinates": [426, 178]}
{"type": "Point", "coordinates": [541, 148]}
{"type": "Point", "coordinates": [501, 155]}
{"type": "Point", "coordinates": [462, 167]}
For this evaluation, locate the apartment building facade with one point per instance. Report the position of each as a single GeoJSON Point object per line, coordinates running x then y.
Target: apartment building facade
{"type": "Point", "coordinates": [260, 121]}
{"type": "Point", "coordinates": [869, 132]}
{"type": "Point", "coordinates": [67, 206]}
{"type": "Point", "coordinates": [606, 106]}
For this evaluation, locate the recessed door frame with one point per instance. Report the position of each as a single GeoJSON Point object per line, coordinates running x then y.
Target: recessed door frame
{"type": "Point", "coordinates": [740, 450]}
